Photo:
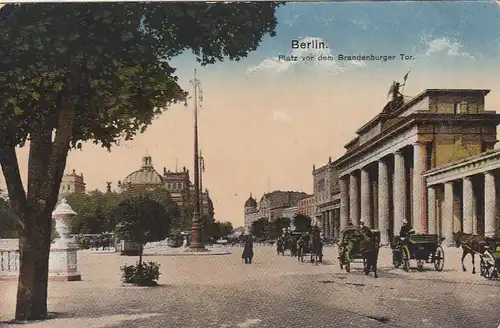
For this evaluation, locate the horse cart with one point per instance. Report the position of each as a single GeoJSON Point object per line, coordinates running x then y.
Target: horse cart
{"type": "Point", "coordinates": [352, 248]}
{"type": "Point", "coordinates": [422, 248]}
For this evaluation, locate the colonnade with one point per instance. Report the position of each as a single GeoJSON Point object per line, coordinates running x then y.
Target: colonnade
{"type": "Point", "coordinates": [329, 223]}
{"type": "Point", "coordinates": [467, 204]}
{"type": "Point", "coordinates": [386, 191]}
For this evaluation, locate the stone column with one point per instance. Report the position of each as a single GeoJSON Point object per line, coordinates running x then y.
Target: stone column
{"type": "Point", "coordinates": [383, 202]}
{"type": "Point", "coordinates": [327, 224]}
{"type": "Point", "coordinates": [365, 197]}
{"type": "Point", "coordinates": [467, 205]}
{"type": "Point", "coordinates": [419, 164]}
{"type": "Point", "coordinates": [330, 224]}
{"type": "Point", "coordinates": [323, 224]}
{"type": "Point", "coordinates": [448, 213]}
{"type": "Point", "coordinates": [431, 194]}
{"type": "Point", "coordinates": [344, 203]}
{"type": "Point", "coordinates": [354, 198]}
{"type": "Point", "coordinates": [399, 190]}
{"type": "Point", "coordinates": [489, 204]}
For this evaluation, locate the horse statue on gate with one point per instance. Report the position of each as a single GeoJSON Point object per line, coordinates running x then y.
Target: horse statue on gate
{"type": "Point", "coordinates": [471, 244]}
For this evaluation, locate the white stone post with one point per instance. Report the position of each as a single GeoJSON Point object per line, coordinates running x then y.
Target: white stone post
{"type": "Point", "coordinates": [399, 191]}
{"type": "Point", "coordinates": [490, 206]}
{"type": "Point", "coordinates": [344, 203]}
{"type": "Point", "coordinates": [365, 197]}
{"type": "Point", "coordinates": [467, 205]}
{"type": "Point", "coordinates": [448, 213]}
{"type": "Point", "coordinates": [431, 194]}
{"type": "Point", "coordinates": [383, 202]}
{"type": "Point", "coordinates": [63, 252]}
{"type": "Point", "coordinates": [354, 198]}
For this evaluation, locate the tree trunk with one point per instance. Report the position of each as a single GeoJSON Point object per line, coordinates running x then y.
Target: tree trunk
{"type": "Point", "coordinates": [34, 248]}
{"type": "Point", "coordinates": [141, 273]}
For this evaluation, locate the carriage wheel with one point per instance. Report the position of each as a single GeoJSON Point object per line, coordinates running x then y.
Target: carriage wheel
{"type": "Point", "coordinates": [348, 267]}
{"type": "Point", "coordinates": [484, 268]}
{"type": "Point", "coordinates": [347, 262]}
{"type": "Point", "coordinates": [396, 258]}
{"type": "Point", "coordinates": [420, 265]}
{"type": "Point", "coordinates": [439, 259]}
{"type": "Point", "coordinates": [405, 258]}
{"type": "Point", "coordinates": [488, 272]}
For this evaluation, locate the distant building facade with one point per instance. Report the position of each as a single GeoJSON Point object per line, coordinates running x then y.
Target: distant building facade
{"type": "Point", "coordinates": [72, 183]}
{"type": "Point", "coordinates": [327, 199]}
{"type": "Point", "coordinates": [271, 206]}
{"type": "Point", "coordinates": [306, 206]}
{"type": "Point", "coordinates": [177, 183]}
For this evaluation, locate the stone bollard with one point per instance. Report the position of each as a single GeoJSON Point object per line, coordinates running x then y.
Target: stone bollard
{"type": "Point", "coordinates": [63, 252]}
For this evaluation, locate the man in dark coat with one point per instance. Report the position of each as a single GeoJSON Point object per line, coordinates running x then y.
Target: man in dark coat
{"type": "Point", "coordinates": [248, 250]}
{"type": "Point", "coordinates": [406, 229]}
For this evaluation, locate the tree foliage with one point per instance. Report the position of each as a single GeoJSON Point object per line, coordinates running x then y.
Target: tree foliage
{"type": "Point", "coordinates": [260, 228]}
{"type": "Point", "coordinates": [302, 223]}
{"type": "Point", "coordinates": [141, 220]}
{"type": "Point", "coordinates": [221, 230]}
{"type": "Point", "coordinates": [100, 73]}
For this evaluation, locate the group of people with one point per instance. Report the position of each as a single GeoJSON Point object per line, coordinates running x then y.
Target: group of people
{"type": "Point", "coordinates": [362, 234]}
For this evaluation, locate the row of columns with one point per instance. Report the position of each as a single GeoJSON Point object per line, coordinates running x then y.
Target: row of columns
{"type": "Point", "coordinates": [355, 203]}
{"type": "Point", "coordinates": [328, 224]}
{"type": "Point", "coordinates": [468, 208]}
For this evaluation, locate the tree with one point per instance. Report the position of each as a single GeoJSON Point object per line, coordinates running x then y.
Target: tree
{"type": "Point", "coordinates": [141, 220]}
{"type": "Point", "coordinates": [161, 196]}
{"type": "Point", "coordinates": [278, 225]}
{"type": "Point", "coordinates": [302, 222]}
{"type": "Point", "coordinates": [95, 72]}
{"type": "Point", "coordinates": [221, 229]}
{"type": "Point", "coordinates": [260, 228]}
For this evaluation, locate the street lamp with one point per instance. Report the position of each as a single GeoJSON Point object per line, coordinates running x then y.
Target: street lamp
{"type": "Point", "coordinates": [196, 226]}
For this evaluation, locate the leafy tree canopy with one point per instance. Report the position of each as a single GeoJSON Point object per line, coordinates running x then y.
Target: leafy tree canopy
{"type": "Point", "coordinates": [302, 223]}
{"type": "Point", "coordinates": [260, 228]}
{"type": "Point", "coordinates": [141, 219]}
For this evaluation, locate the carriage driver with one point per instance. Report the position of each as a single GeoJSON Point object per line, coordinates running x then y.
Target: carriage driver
{"type": "Point", "coordinates": [362, 234]}
{"type": "Point", "coordinates": [406, 229]}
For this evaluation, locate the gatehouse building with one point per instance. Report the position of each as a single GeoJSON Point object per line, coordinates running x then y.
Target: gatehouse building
{"type": "Point", "coordinates": [429, 160]}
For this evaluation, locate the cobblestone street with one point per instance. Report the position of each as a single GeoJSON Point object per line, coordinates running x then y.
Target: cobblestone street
{"type": "Point", "coordinates": [275, 291]}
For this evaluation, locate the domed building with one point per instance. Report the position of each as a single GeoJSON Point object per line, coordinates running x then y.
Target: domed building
{"type": "Point", "coordinates": [145, 177]}
{"type": "Point", "coordinates": [176, 182]}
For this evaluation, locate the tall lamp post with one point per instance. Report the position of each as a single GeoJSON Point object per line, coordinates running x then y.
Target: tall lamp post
{"type": "Point", "coordinates": [196, 226]}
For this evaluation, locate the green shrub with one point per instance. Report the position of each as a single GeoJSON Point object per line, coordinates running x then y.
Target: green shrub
{"type": "Point", "coordinates": [150, 274]}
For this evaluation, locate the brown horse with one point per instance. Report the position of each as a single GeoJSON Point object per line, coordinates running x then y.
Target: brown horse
{"type": "Point", "coordinates": [471, 244]}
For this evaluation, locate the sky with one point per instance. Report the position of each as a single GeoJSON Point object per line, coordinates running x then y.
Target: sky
{"type": "Point", "coordinates": [265, 122]}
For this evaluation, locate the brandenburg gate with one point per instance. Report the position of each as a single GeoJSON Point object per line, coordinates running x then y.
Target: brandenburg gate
{"type": "Point", "coordinates": [429, 160]}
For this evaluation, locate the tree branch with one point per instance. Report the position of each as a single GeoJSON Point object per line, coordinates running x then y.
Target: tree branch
{"type": "Point", "coordinates": [10, 168]}
{"type": "Point", "coordinates": [60, 149]}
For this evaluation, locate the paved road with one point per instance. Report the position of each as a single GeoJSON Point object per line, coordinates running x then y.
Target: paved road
{"type": "Point", "coordinates": [221, 292]}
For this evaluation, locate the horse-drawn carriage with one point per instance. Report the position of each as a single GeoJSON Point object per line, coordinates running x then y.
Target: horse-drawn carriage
{"type": "Point", "coordinates": [356, 244]}
{"type": "Point", "coordinates": [423, 248]}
